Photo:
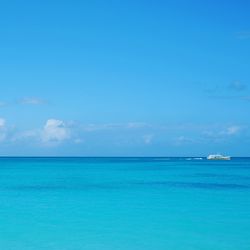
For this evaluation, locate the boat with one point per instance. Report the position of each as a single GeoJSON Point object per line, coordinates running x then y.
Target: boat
{"type": "Point", "coordinates": [218, 157]}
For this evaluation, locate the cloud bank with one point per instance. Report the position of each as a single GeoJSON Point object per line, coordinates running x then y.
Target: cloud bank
{"type": "Point", "coordinates": [58, 134]}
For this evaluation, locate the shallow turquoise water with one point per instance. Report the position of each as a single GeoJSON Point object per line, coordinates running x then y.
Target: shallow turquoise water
{"type": "Point", "coordinates": [124, 204]}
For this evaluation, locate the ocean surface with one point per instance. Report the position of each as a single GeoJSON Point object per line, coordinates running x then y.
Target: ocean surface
{"type": "Point", "coordinates": [124, 204]}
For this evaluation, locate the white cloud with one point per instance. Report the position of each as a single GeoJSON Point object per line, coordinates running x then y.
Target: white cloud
{"type": "Point", "coordinates": [236, 90]}
{"type": "Point", "coordinates": [237, 86]}
{"type": "Point", "coordinates": [95, 127]}
{"type": "Point", "coordinates": [181, 140]}
{"type": "Point", "coordinates": [24, 135]}
{"type": "Point", "coordinates": [32, 101]}
{"type": "Point", "coordinates": [114, 126]}
{"type": "Point", "coordinates": [222, 134]}
{"type": "Point", "coordinates": [55, 131]}
{"type": "Point", "coordinates": [232, 130]}
{"type": "Point", "coordinates": [2, 123]}
{"type": "Point", "coordinates": [148, 138]}
{"type": "Point", "coordinates": [135, 125]}
{"type": "Point", "coordinates": [3, 131]}
{"type": "Point", "coordinates": [78, 141]}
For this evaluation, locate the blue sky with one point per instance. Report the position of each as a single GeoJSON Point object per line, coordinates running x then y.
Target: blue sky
{"type": "Point", "coordinates": [124, 78]}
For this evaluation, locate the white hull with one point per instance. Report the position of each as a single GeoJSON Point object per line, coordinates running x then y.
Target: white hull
{"type": "Point", "coordinates": [219, 158]}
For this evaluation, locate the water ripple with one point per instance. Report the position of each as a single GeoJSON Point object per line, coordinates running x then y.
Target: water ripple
{"type": "Point", "coordinates": [132, 185]}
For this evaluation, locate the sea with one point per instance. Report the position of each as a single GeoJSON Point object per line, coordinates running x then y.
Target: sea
{"type": "Point", "coordinates": [156, 203]}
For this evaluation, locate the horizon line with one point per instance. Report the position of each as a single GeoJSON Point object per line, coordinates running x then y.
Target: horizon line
{"type": "Point", "coordinates": [43, 156]}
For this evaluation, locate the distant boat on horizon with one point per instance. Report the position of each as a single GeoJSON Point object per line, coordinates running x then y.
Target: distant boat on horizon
{"type": "Point", "coordinates": [218, 157]}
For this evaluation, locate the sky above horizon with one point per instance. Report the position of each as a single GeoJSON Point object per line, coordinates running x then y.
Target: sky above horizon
{"type": "Point", "coordinates": [124, 78]}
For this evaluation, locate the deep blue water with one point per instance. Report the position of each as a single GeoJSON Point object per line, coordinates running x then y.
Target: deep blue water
{"type": "Point", "coordinates": [124, 204]}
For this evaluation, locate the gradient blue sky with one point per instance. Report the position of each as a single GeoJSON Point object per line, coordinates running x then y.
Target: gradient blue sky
{"type": "Point", "coordinates": [124, 78]}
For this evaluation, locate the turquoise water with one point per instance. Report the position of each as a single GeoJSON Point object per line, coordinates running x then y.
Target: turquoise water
{"type": "Point", "coordinates": [124, 204]}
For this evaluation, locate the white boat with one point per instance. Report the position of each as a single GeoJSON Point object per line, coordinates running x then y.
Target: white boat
{"type": "Point", "coordinates": [218, 157]}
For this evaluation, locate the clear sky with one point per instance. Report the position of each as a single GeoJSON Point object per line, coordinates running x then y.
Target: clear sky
{"type": "Point", "coordinates": [124, 78]}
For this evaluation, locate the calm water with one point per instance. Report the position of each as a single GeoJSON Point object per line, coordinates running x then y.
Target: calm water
{"type": "Point", "coordinates": [124, 204]}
